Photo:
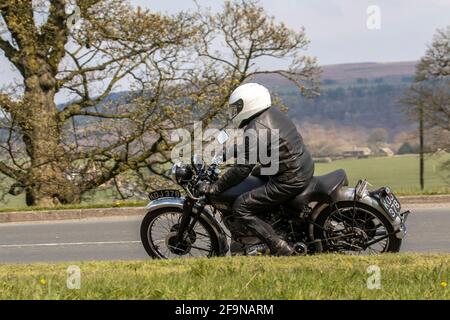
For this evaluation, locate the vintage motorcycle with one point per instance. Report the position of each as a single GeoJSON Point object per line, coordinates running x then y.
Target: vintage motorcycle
{"type": "Point", "coordinates": [328, 216]}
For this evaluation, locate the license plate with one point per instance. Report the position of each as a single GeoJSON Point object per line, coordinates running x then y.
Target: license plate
{"type": "Point", "coordinates": [390, 203]}
{"type": "Point", "coordinates": [164, 194]}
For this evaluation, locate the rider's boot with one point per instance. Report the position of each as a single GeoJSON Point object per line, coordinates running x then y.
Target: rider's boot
{"type": "Point", "coordinates": [280, 247]}
{"type": "Point", "coordinates": [257, 250]}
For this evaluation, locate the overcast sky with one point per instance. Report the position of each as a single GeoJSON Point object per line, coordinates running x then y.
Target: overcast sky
{"type": "Point", "coordinates": [338, 28]}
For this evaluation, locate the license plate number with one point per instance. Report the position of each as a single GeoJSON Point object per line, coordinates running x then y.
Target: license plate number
{"type": "Point", "coordinates": [164, 194]}
{"type": "Point", "coordinates": [390, 203]}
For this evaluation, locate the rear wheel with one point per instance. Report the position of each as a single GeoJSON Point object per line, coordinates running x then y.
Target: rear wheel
{"type": "Point", "coordinates": [359, 230]}
{"type": "Point", "coordinates": [159, 236]}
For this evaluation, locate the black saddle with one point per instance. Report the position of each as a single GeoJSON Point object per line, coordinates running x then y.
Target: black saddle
{"type": "Point", "coordinates": [320, 189]}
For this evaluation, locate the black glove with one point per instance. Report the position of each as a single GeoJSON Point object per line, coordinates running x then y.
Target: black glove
{"type": "Point", "coordinates": [205, 187]}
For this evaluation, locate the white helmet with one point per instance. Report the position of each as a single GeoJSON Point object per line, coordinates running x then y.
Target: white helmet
{"type": "Point", "coordinates": [248, 100]}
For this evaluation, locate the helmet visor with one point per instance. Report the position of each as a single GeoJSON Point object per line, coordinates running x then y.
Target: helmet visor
{"type": "Point", "coordinates": [235, 108]}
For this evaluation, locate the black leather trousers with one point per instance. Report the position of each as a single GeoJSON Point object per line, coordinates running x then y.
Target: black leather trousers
{"type": "Point", "coordinates": [248, 205]}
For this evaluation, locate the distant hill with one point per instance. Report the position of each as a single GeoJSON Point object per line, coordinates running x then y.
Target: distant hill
{"type": "Point", "coordinates": [353, 72]}
{"type": "Point", "coordinates": [363, 96]}
{"type": "Point", "coordinates": [370, 70]}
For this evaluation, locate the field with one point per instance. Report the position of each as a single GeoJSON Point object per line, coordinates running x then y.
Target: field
{"type": "Point", "coordinates": [401, 173]}
{"type": "Point", "coordinates": [402, 276]}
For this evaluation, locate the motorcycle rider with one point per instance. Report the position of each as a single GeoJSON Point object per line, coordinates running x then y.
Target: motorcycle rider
{"type": "Point", "coordinates": [251, 108]}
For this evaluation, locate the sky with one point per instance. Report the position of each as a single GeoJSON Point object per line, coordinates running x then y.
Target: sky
{"type": "Point", "coordinates": [340, 31]}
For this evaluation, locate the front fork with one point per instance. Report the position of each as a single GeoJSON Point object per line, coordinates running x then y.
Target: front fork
{"type": "Point", "coordinates": [192, 209]}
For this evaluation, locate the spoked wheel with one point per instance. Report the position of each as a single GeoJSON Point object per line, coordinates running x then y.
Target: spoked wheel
{"type": "Point", "coordinates": [159, 236]}
{"type": "Point", "coordinates": [359, 230]}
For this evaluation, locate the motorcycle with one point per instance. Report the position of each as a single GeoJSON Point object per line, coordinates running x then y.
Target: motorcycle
{"type": "Point", "coordinates": [328, 216]}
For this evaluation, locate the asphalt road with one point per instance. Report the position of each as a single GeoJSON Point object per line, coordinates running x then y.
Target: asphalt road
{"type": "Point", "coordinates": [118, 238]}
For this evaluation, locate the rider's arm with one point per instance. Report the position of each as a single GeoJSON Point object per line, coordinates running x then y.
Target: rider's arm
{"type": "Point", "coordinates": [245, 161]}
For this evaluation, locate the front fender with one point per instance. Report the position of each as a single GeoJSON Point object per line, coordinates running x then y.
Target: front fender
{"type": "Point", "coordinates": [346, 194]}
{"type": "Point", "coordinates": [165, 203]}
{"type": "Point", "coordinates": [207, 215]}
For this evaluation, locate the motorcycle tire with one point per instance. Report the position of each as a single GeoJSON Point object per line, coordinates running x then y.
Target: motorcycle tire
{"type": "Point", "coordinates": [149, 245]}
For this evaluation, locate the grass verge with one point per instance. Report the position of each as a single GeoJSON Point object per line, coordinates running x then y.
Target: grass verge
{"type": "Point", "coordinates": [401, 173]}
{"type": "Point", "coordinates": [117, 204]}
{"type": "Point", "coordinates": [403, 276]}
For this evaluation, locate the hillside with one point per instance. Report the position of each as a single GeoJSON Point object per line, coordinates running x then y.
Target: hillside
{"type": "Point", "coordinates": [370, 70]}
{"type": "Point", "coordinates": [351, 72]}
{"type": "Point", "coordinates": [355, 99]}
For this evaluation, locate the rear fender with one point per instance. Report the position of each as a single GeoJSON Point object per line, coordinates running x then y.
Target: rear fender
{"type": "Point", "coordinates": [346, 194]}
{"type": "Point", "coordinates": [207, 215]}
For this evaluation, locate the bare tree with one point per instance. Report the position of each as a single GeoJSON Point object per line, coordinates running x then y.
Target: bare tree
{"type": "Point", "coordinates": [429, 95]}
{"type": "Point", "coordinates": [131, 76]}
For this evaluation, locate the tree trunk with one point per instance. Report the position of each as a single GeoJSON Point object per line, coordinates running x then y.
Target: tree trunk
{"type": "Point", "coordinates": [48, 182]}
{"type": "Point", "coordinates": [421, 152]}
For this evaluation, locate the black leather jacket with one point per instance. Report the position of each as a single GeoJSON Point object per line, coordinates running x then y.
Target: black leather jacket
{"type": "Point", "coordinates": [295, 164]}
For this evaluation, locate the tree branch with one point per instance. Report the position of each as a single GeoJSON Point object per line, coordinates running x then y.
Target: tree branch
{"type": "Point", "coordinates": [8, 171]}
{"type": "Point", "coordinates": [54, 33]}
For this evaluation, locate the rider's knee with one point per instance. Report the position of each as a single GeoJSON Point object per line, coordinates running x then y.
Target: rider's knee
{"type": "Point", "coordinates": [240, 206]}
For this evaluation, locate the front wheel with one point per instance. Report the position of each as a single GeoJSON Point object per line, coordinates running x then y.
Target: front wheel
{"type": "Point", "coordinates": [358, 229]}
{"type": "Point", "coordinates": [159, 231]}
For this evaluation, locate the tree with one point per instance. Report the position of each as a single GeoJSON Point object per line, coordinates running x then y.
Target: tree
{"type": "Point", "coordinates": [429, 95]}
{"type": "Point", "coordinates": [378, 136]}
{"type": "Point", "coordinates": [167, 69]}
{"type": "Point", "coordinates": [406, 148]}
{"type": "Point", "coordinates": [52, 56]}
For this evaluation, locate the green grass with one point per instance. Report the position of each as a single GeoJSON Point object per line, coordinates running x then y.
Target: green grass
{"type": "Point", "coordinates": [117, 204]}
{"type": "Point", "coordinates": [100, 199]}
{"type": "Point", "coordinates": [401, 173]}
{"type": "Point", "coordinates": [403, 276]}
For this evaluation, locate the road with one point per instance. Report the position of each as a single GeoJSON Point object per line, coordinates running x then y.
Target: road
{"type": "Point", "coordinates": [118, 238]}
